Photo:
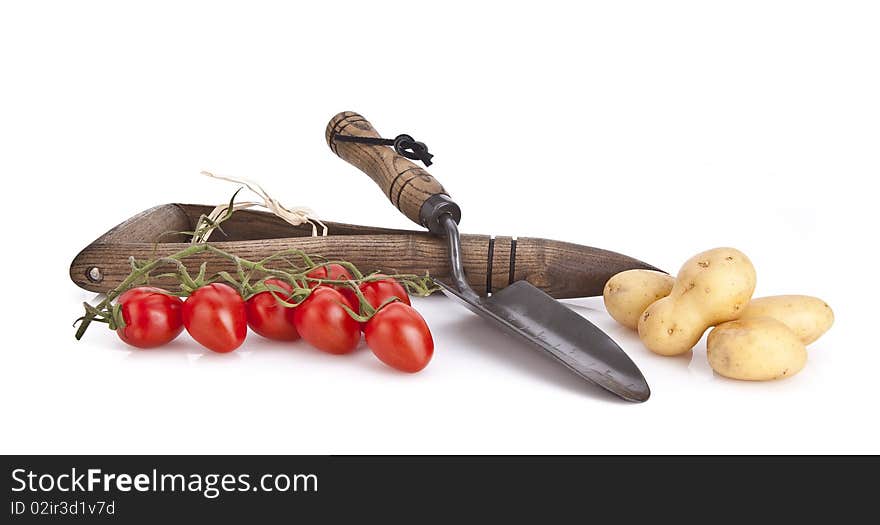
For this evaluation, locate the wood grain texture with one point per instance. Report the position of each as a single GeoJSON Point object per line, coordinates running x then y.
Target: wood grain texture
{"type": "Point", "coordinates": [561, 269]}
{"type": "Point", "coordinates": [404, 183]}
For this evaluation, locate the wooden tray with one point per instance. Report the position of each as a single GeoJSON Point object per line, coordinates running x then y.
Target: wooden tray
{"type": "Point", "coordinates": [559, 268]}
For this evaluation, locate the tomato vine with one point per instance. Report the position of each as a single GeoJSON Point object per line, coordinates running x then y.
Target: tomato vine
{"type": "Point", "coordinates": [290, 266]}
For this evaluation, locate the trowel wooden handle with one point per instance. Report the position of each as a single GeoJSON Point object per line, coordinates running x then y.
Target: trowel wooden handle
{"type": "Point", "coordinates": [409, 187]}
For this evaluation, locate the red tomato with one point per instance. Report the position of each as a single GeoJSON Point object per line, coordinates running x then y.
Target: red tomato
{"type": "Point", "coordinates": [400, 338]}
{"type": "Point", "coordinates": [323, 322]}
{"type": "Point", "coordinates": [336, 272]}
{"type": "Point", "coordinates": [267, 317]}
{"type": "Point", "coordinates": [152, 317]}
{"type": "Point", "coordinates": [214, 315]}
{"type": "Point", "coordinates": [377, 292]}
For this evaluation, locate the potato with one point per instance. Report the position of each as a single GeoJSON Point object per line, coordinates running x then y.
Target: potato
{"type": "Point", "coordinates": [808, 317]}
{"type": "Point", "coordinates": [755, 349]}
{"type": "Point", "coordinates": [711, 287]}
{"type": "Point", "coordinates": [629, 293]}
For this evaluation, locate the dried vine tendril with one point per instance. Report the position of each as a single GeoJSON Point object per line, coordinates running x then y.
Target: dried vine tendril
{"type": "Point", "coordinates": [249, 278]}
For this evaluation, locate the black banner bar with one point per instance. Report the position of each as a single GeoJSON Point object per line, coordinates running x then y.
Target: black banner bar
{"type": "Point", "coordinates": [257, 489]}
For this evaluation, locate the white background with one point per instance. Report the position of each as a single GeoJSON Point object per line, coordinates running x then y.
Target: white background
{"type": "Point", "coordinates": [655, 129]}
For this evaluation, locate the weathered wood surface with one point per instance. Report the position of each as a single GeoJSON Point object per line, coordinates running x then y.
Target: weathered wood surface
{"type": "Point", "coordinates": [559, 268]}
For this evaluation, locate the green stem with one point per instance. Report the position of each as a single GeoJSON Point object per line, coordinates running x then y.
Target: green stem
{"type": "Point", "coordinates": [129, 281]}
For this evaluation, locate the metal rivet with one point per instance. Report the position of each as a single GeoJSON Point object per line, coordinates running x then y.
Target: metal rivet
{"type": "Point", "coordinates": [94, 274]}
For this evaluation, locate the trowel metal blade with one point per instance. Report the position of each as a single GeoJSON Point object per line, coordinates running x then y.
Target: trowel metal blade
{"type": "Point", "coordinates": [531, 314]}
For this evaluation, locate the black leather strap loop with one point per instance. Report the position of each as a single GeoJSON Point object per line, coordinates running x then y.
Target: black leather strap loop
{"type": "Point", "coordinates": [403, 144]}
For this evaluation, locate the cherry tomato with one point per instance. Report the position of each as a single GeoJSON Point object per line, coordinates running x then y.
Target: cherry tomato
{"type": "Point", "coordinates": [400, 338]}
{"type": "Point", "coordinates": [215, 316]}
{"type": "Point", "coordinates": [336, 272]}
{"type": "Point", "coordinates": [379, 291]}
{"type": "Point", "coordinates": [267, 317]}
{"type": "Point", "coordinates": [152, 317]}
{"type": "Point", "coordinates": [323, 322]}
